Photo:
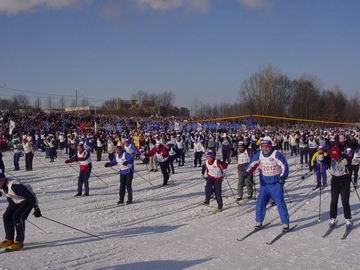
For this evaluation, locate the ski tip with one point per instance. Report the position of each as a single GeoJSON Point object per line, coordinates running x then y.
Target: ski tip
{"type": "Point", "coordinates": [268, 243]}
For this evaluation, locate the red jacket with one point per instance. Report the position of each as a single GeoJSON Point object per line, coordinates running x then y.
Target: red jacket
{"type": "Point", "coordinates": [161, 149]}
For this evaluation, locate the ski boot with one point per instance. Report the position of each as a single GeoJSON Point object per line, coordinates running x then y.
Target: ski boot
{"type": "Point", "coordinates": [15, 246]}
{"type": "Point", "coordinates": [6, 243]}
{"type": "Point", "coordinates": [348, 224]}
{"type": "Point", "coordinates": [285, 228]}
{"type": "Point", "coordinates": [258, 226]}
{"type": "Point", "coordinates": [332, 222]}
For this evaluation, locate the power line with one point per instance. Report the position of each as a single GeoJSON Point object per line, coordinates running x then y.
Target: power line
{"type": "Point", "coordinates": [48, 94]}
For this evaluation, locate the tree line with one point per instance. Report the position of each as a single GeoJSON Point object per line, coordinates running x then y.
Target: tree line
{"type": "Point", "coordinates": [270, 92]}
{"type": "Point", "coordinates": [266, 92]}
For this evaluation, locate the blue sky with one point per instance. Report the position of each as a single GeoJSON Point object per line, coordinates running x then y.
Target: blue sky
{"type": "Point", "coordinates": [196, 48]}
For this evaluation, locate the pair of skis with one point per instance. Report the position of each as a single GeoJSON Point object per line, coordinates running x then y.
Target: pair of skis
{"type": "Point", "coordinates": [276, 238]}
{"type": "Point", "coordinates": [347, 231]}
{"type": "Point", "coordinates": [26, 247]}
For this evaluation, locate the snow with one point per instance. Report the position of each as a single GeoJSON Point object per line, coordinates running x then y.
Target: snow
{"type": "Point", "coordinates": [166, 229]}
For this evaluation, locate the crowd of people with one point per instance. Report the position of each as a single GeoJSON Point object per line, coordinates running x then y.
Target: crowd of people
{"type": "Point", "coordinates": [163, 144]}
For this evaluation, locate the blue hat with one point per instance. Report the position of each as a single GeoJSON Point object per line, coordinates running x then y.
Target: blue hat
{"type": "Point", "coordinates": [210, 154]}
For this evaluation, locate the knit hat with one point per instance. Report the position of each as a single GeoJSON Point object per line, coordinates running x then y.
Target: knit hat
{"type": "Point", "coordinates": [266, 141]}
{"type": "Point", "coordinates": [210, 154]}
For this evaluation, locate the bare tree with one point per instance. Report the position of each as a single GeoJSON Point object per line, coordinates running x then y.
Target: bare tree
{"type": "Point", "coordinates": [85, 102]}
{"type": "Point", "coordinates": [49, 103]}
{"type": "Point", "coordinates": [62, 103]}
{"type": "Point", "coordinates": [37, 104]}
{"type": "Point", "coordinates": [20, 102]}
{"type": "Point", "coordinates": [266, 92]}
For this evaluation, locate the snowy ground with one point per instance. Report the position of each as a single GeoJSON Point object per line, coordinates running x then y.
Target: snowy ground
{"type": "Point", "coordinates": [165, 229]}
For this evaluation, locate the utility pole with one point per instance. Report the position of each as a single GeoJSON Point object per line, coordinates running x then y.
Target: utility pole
{"type": "Point", "coordinates": [76, 98]}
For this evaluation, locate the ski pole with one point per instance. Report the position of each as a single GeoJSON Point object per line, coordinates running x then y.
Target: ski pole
{"type": "Point", "coordinates": [93, 235]}
{"type": "Point", "coordinates": [231, 189]}
{"type": "Point", "coordinates": [137, 174]}
{"type": "Point", "coordinates": [37, 227]}
{"type": "Point", "coordinates": [39, 160]}
{"type": "Point", "coordinates": [357, 194]}
{"type": "Point", "coordinates": [143, 178]}
{"type": "Point", "coordinates": [319, 217]}
{"type": "Point", "coordinates": [287, 194]}
{"type": "Point", "coordinates": [147, 168]}
{"type": "Point", "coordinates": [320, 189]}
{"type": "Point", "coordinates": [100, 179]}
{"type": "Point", "coordinates": [254, 187]}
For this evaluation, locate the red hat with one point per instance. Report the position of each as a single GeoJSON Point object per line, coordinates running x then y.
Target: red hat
{"type": "Point", "coordinates": [335, 153]}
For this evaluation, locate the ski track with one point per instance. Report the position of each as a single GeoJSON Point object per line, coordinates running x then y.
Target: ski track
{"type": "Point", "coordinates": [166, 228]}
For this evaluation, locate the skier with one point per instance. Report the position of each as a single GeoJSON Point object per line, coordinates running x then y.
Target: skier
{"type": "Point", "coordinates": [303, 150]}
{"type": "Point", "coordinates": [83, 157]}
{"type": "Point", "coordinates": [180, 149]}
{"type": "Point", "coordinates": [126, 162]}
{"type": "Point", "coordinates": [99, 148]}
{"type": "Point", "coordinates": [198, 150]}
{"type": "Point", "coordinates": [162, 155]}
{"type": "Point", "coordinates": [340, 184]}
{"type": "Point", "coordinates": [354, 159]}
{"type": "Point", "coordinates": [226, 148]}
{"type": "Point", "coordinates": [274, 170]}
{"type": "Point", "coordinates": [214, 170]}
{"type": "Point", "coordinates": [318, 162]}
{"type": "Point", "coordinates": [111, 149]}
{"type": "Point", "coordinates": [51, 144]}
{"type": "Point", "coordinates": [243, 157]}
{"type": "Point", "coordinates": [17, 153]}
{"type": "Point", "coordinates": [153, 161]}
{"type": "Point", "coordinates": [29, 152]}
{"type": "Point", "coordinates": [21, 201]}
{"type": "Point", "coordinates": [172, 157]}
{"type": "Point", "coordinates": [312, 149]}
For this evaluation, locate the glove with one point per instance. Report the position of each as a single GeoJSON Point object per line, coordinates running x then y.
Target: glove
{"type": "Point", "coordinates": [125, 163]}
{"type": "Point", "coordinates": [107, 164]}
{"type": "Point", "coordinates": [282, 180]}
{"type": "Point", "coordinates": [68, 161]}
{"type": "Point", "coordinates": [37, 212]}
{"type": "Point", "coordinates": [146, 160]}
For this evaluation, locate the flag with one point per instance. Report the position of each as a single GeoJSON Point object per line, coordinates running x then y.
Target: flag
{"type": "Point", "coordinates": [11, 127]}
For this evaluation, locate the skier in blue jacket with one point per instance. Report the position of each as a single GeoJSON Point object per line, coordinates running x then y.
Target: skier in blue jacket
{"type": "Point", "coordinates": [273, 170]}
{"type": "Point", "coordinates": [126, 162]}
